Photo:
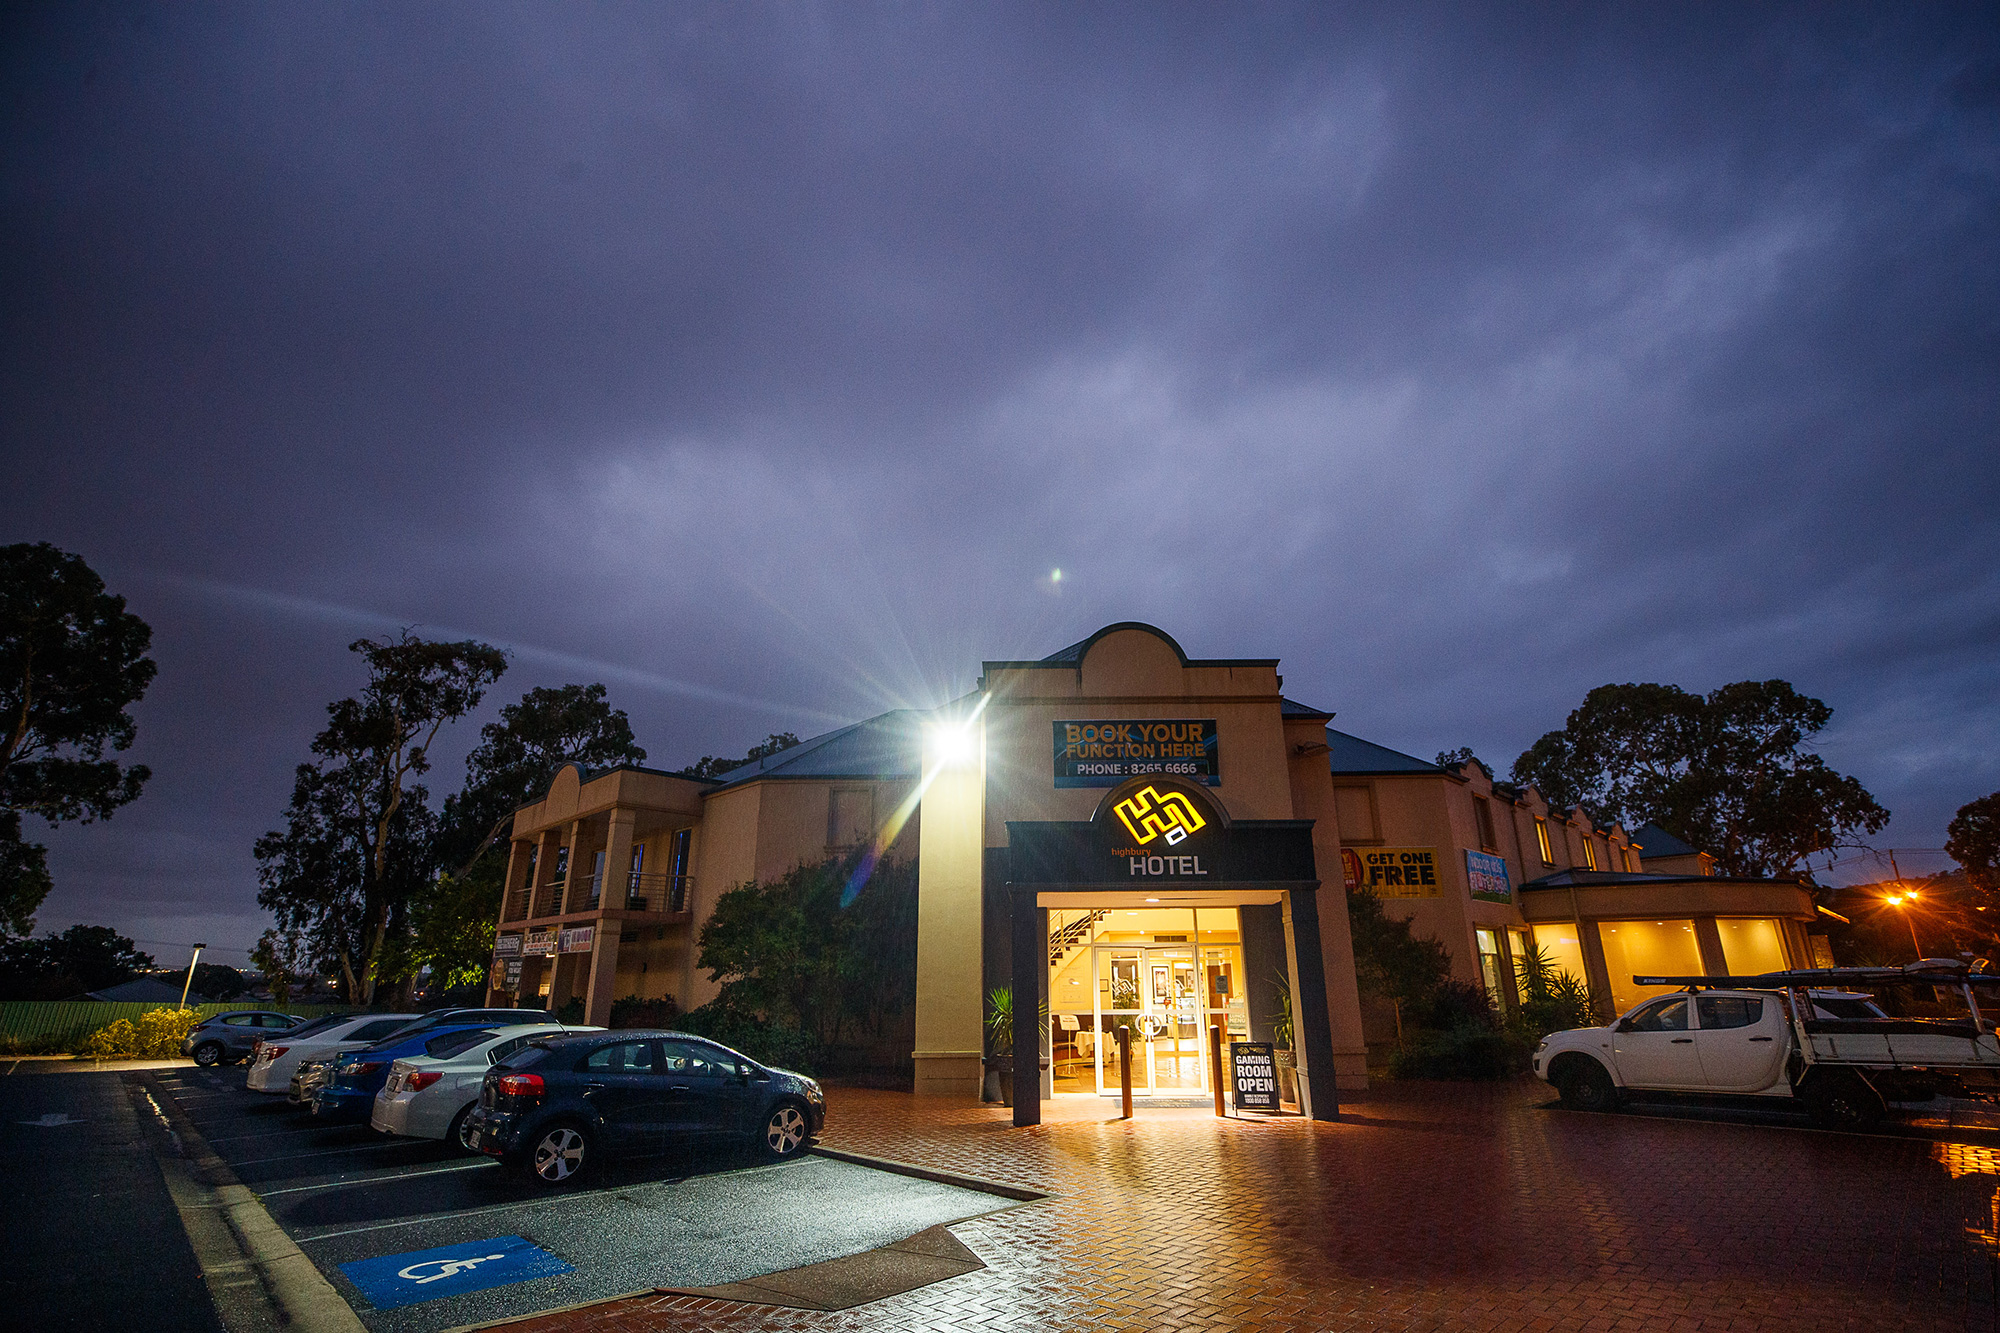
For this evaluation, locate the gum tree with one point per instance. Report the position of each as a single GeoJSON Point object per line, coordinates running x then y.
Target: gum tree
{"type": "Point", "coordinates": [72, 662]}
{"type": "Point", "coordinates": [359, 840]}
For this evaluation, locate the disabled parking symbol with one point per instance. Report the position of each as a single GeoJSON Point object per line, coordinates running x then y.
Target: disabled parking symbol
{"type": "Point", "coordinates": [450, 1270]}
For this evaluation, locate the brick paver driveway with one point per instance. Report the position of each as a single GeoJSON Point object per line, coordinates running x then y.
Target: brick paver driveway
{"type": "Point", "coordinates": [1429, 1206]}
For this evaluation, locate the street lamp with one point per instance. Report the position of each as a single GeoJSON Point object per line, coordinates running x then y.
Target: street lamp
{"type": "Point", "coordinates": [1900, 900]}
{"type": "Point", "coordinates": [190, 979]}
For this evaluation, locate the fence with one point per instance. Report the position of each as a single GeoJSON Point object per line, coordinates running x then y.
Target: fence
{"type": "Point", "coordinates": [68, 1021]}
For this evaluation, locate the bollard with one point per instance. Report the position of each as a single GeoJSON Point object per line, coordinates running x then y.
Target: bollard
{"type": "Point", "coordinates": [1125, 1065]}
{"type": "Point", "coordinates": [1215, 1063]}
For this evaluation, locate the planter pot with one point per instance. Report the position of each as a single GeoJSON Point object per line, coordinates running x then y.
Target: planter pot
{"type": "Point", "coordinates": [1288, 1076]}
{"type": "Point", "coordinates": [1000, 1079]}
{"type": "Point", "coordinates": [989, 1090]}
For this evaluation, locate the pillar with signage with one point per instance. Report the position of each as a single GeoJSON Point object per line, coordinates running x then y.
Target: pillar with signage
{"type": "Point", "coordinates": [950, 863]}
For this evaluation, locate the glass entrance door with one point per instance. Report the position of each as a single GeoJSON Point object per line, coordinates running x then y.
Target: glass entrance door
{"type": "Point", "coordinates": [1157, 992]}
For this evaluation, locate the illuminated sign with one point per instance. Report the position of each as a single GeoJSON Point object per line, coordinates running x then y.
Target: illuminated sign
{"type": "Point", "coordinates": [1150, 813]}
{"type": "Point", "coordinates": [576, 939]}
{"type": "Point", "coordinates": [1106, 753]}
{"type": "Point", "coordinates": [1486, 878]}
{"type": "Point", "coordinates": [1397, 872]}
{"type": "Point", "coordinates": [540, 943]}
{"type": "Point", "coordinates": [507, 946]}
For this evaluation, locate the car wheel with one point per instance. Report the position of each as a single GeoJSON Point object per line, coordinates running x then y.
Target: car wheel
{"type": "Point", "coordinates": [209, 1054]}
{"type": "Point", "coordinates": [1589, 1088]}
{"type": "Point", "coordinates": [560, 1155]}
{"type": "Point", "coordinates": [1844, 1101]}
{"type": "Point", "coordinates": [460, 1130]}
{"type": "Point", "coordinates": [784, 1131]}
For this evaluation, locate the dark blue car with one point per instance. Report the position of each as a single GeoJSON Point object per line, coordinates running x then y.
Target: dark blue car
{"type": "Point", "coordinates": [558, 1105]}
{"type": "Point", "coordinates": [349, 1091]}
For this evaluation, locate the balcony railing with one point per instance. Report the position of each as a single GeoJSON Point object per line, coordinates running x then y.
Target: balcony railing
{"type": "Point", "coordinates": [585, 893]}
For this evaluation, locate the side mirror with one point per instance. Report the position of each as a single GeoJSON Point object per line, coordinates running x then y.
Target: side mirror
{"type": "Point", "coordinates": [1625, 1025]}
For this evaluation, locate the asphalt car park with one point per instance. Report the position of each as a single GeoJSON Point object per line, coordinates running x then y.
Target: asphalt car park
{"type": "Point", "coordinates": [418, 1235]}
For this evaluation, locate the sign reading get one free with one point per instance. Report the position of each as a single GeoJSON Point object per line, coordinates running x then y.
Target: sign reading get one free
{"type": "Point", "coordinates": [1393, 872]}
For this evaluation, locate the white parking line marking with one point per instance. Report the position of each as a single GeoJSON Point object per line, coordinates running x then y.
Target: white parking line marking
{"type": "Point", "coordinates": [549, 1202]}
{"type": "Point", "coordinates": [329, 1152]}
{"type": "Point", "coordinates": [378, 1180]}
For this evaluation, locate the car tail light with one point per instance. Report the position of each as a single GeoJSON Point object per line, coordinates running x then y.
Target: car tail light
{"type": "Point", "coordinates": [419, 1079]}
{"type": "Point", "coordinates": [521, 1086]}
{"type": "Point", "coordinates": [368, 1067]}
{"type": "Point", "coordinates": [272, 1053]}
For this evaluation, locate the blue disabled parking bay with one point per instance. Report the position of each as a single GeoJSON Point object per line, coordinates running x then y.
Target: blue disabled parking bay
{"type": "Point", "coordinates": [450, 1270]}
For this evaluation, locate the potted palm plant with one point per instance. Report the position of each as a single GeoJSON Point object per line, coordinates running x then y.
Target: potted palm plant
{"type": "Point", "coordinates": [1283, 1054]}
{"type": "Point", "coordinates": [999, 1084]}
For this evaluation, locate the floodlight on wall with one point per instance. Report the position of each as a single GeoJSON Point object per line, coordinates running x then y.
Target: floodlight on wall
{"type": "Point", "coordinates": [953, 745]}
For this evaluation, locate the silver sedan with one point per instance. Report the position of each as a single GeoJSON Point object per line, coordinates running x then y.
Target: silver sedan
{"type": "Point", "coordinates": [428, 1096]}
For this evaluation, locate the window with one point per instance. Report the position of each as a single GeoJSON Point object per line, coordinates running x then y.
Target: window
{"type": "Point", "coordinates": [1489, 963]}
{"type": "Point", "coordinates": [850, 817]}
{"type": "Point", "coordinates": [501, 1050]}
{"type": "Point", "coordinates": [1589, 852]}
{"type": "Point", "coordinates": [455, 1043]}
{"type": "Point", "coordinates": [562, 866]}
{"type": "Point", "coordinates": [1647, 948]}
{"type": "Point", "coordinates": [524, 1057]}
{"type": "Point", "coordinates": [623, 1057]}
{"type": "Point", "coordinates": [1542, 840]}
{"type": "Point", "coordinates": [276, 1021]}
{"type": "Point", "coordinates": [1751, 946]}
{"type": "Point", "coordinates": [1666, 1016]}
{"type": "Point", "coordinates": [695, 1061]}
{"type": "Point", "coordinates": [534, 855]}
{"type": "Point", "coordinates": [1517, 941]}
{"type": "Point", "coordinates": [677, 864]}
{"type": "Point", "coordinates": [1355, 807]}
{"type": "Point", "coordinates": [1483, 809]}
{"type": "Point", "coordinates": [377, 1030]}
{"type": "Point", "coordinates": [1729, 1011]}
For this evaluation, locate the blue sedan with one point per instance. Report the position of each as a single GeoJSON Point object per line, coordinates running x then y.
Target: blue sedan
{"type": "Point", "coordinates": [349, 1091]}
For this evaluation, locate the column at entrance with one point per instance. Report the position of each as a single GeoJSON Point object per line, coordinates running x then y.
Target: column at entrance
{"type": "Point", "coordinates": [598, 995]}
{"type": "Point", "coordinates": [950, 865]}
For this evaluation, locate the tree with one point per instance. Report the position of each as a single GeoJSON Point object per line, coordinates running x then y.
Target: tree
{"type": "Point", "coordinates": [215, 981]}
{"type": "Point", "coordinates": [359, 840]}
{"type": "Point", "coordinates": [56, 967]}
{"type": "Point", "coordinates": [519, 754]}
{"type": "Point", "coordinates": [1390, 961]}
{"type": "Point", "coordinates": [1973, 840]}
{"type": "Point", "coordinates": [451, 918]}
{"type": "Point", "coordinates": [72, 660]}
{"type": "Point", "coordinates": [790, 953]}
{"type": "Point", "coordinates": [1724, 772]}
{"type": "Point", "coordinates": [284, 962]}
{"type": "Point", "coordinates": [714, 766]}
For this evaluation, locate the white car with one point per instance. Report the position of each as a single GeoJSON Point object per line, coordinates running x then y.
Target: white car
{"type": "Point", "coordinates": [428, 1096]}
{"type": "Point", "coordinates": [277, 1059]}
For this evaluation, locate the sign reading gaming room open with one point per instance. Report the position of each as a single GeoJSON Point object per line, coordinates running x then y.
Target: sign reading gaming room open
{"type": "Point", "coordinates": [1104, 754]}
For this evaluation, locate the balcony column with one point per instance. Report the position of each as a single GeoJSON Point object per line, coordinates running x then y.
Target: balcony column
{"type": "Point", "coordinates": [618, 859]}
{"type": "Point", "coordinates": [571, 875]}
{"type": "Point", "coordinates": [516, 861]}
{"type": "Point", "coordinates": [545, 867]}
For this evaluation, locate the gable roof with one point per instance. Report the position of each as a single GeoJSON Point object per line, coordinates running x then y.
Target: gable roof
{"type": "Point", "coordinates": [1351, 754]}
{"type": "Point", "coordinates": [1293, 708]}
{"type": "Point", "coordinates": [888, 746]}
{"type": "Point", "coordinates": [1652, 841]}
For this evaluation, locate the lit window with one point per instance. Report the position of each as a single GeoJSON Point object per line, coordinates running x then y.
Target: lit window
{"type": "Point", "coordinates": [1542, 840]}
{"type": "Point", "coordinates": [1589, 852]}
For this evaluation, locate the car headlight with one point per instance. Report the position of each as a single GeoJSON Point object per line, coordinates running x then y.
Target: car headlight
{"type": "Point", "coordinates": [813, 1091]}
{"type": "Point", "coordinates": [1542, 1046]}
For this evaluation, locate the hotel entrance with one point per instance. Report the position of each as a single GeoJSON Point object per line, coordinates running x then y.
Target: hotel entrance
{"type": "Point", "coordinates": [1166, 974]}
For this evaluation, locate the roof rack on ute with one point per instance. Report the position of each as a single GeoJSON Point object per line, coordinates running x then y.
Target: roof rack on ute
{"type": "Point", "coordinates": [1924, 972]}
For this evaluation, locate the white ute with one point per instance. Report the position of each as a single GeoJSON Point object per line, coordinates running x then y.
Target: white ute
{"type": "Point", "coordinates": [1791, 1036]}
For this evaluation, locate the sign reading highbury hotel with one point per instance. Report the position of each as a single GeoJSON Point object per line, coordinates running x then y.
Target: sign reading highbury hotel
{"type": "Point", "coordinates": [1104, 754]}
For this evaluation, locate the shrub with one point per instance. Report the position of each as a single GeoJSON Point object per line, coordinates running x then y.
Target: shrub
{"type": "Point", "coordinates": [156, 1036]}
{"type": "Point", "coordinates": [1468, 1051]}
{"type": "Point", "coordinates": [764, 1041]}
{"type": "Point", "coordinates": [571, 1012]}
{"type": "Point", "coordinates": [633, 1012]}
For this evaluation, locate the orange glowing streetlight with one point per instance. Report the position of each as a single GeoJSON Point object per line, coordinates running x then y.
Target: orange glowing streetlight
{"type": "Point", "coordinates": [1902, 901]}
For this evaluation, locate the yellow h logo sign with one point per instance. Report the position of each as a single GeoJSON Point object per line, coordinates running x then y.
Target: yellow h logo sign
{"type": "Point", "coordinates": [1149, 813]}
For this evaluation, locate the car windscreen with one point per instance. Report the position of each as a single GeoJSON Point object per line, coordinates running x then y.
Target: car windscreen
{"type": "Point", "coordinates": [320, 1024]}
{"type": "Point", "coordinates": [523, 1058]}
{"type": "Point", "coordinates": [455, 1043]}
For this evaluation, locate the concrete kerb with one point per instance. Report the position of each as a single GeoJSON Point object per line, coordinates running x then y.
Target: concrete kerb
{"type": "Point", "coordinates": [894, 1167]}
{"type": "Point", "coordinates": [261, 1281]}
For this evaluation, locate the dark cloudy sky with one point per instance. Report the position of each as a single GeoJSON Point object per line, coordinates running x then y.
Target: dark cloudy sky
{"type": "Point", "coordinates": [764, 362]}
